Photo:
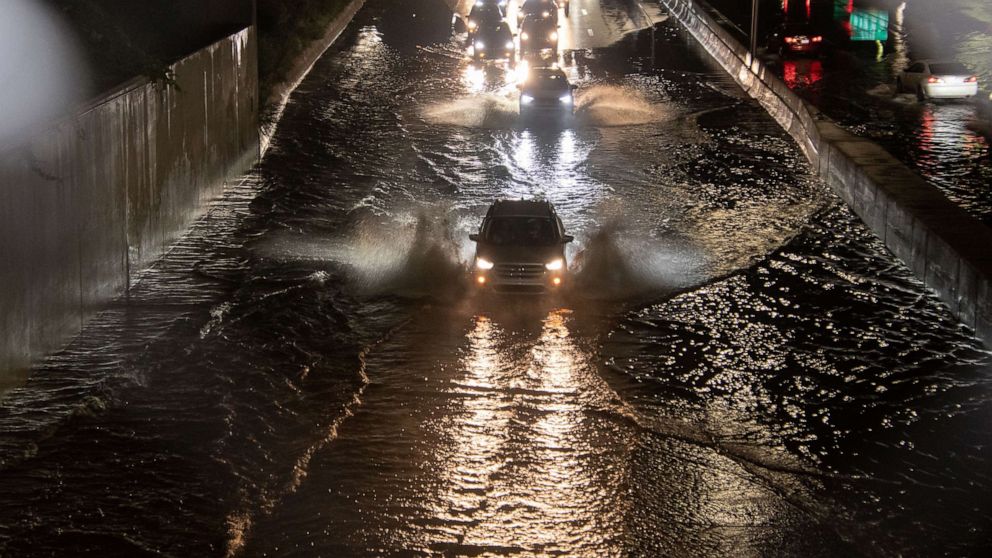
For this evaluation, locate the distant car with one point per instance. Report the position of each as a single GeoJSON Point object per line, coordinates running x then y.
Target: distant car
{"type": "Point", "coordinates": [494, 43]}
{"type": "Point", "coordinates": [546, 91]}
{"type": "Point", "coordinates": [538, 34]}
{"type": "Point", "coordinates": [540, 9]}
{"type": "Point", "coordinates": [931, 79]}
{"type": "Point", "coordinates": [792, 38]}
{"type": "Point", "coordinates": [520, 248]}
{"type": "Point", "coordinates": [501, 3]}
{"type": "Point", "coordinates": [483, 15]}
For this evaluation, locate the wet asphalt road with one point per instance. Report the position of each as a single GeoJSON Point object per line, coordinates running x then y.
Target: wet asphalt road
{"type": "Point", "coordinates": [737, 368]}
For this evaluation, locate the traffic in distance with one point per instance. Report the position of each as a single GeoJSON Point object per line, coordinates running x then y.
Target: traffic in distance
{"type": "Point", "coordinates": [526, 49]}
{"type": "Point", "coordinates": [520, 246]}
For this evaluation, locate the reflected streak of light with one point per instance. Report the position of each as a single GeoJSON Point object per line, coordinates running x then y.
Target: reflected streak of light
{"type": "Point", "coordinates": [477, 433]}
{"type": "Point", "coordinates": [944, 137]}
{"type": "Point", "coordinates": [567, 148]}
{"type": "Point", "coordinates": [519, 465]}
{"type": "Point", "coordinates": [563, 473]}
{"type": "Point", "coordinates": [523, 151]}
{"type": "Point", "coordinates": [554, 357]}
{"type": "Point", "coordinates": [474, 79]}
{"type": "Point", "coordinates": [900, 61]}
{"type": "Point", "coordinates": [801, 74]}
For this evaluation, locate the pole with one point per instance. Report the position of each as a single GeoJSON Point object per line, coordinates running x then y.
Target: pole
{"type": "Point", "coordinates": [754, 28]}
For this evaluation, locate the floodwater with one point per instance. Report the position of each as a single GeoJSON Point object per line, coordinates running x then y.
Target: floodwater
{"type": "Point", "coordinates": [737, 366]}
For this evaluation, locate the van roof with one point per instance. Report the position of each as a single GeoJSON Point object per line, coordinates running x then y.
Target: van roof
{"type": "Point", "coordinates": [522, 208]}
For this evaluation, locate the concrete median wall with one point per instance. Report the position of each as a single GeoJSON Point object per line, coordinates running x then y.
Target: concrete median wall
{"type": "Point", "coordinates": [101, 194]}
{"type": "Point", "coordinates": [947, 248]}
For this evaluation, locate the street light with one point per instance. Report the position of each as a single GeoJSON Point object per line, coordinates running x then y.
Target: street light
{"type": "Point", "coordinates": [754, 28]}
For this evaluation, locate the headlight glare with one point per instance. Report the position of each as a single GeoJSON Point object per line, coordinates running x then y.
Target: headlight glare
{"type": "Point", "coordinates": [565, 99]}
{"type": "Point", "coordinates": [509, 44]}
{"type": "Point", "coordinates": [555, 265]}
{"type": "Point", "coordinates": [483, 264]}
{"type": "Point", "coordinates": [479, 45]}
{"type": "Point", "coordinates": [526, 99]}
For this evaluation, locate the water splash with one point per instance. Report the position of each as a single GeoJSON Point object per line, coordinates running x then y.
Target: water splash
{"type": "Point", "coordinates": [609, 105]}
{"type": "Point", "coordinates": [598, 106]}
{"type": "Point", "coordinates": [479, 111]}
{"type": "Point", "coordinates": [614, 265]}
{"type": "Point", "coordinates": [413, 254]}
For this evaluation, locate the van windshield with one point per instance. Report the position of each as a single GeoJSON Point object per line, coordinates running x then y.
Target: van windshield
{"type": "Point", "coordinates": [521, 231]}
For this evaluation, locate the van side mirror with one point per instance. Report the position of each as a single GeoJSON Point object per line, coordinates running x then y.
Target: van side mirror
{"type": "Point", "coordinates": [473, 237]}
{"type": "Point", "coordinates": [573, 87]}
{"type": "Point", "coordinates": [567, 238]}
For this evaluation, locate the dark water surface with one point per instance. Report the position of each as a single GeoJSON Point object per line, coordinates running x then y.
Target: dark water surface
{"type": "Point", "coordinates": [739, 367]}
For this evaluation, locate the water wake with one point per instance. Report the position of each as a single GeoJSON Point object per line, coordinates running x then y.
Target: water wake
{"type": "Point", "coordinates": [409, 255]}
{"type": "Point", "coordinates": [480, 111]}
{"type": "Point", "coordinates": [598, 106]}
{"type": "Point", "coordinates": [609, 105]}
{"type": "Point", "coordinates": [612, 265]}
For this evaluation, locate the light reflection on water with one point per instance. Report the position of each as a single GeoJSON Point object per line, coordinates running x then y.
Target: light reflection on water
{"type": "Point", "coordinates": [518, 467]}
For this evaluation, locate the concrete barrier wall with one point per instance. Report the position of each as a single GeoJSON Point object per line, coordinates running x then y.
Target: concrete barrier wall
{"type": "Point", "coordinates": [947, 248]}
{"type": "Point", "coordinates": [86, 203]}
{"type": "Point", "coordinates": [280, 93]}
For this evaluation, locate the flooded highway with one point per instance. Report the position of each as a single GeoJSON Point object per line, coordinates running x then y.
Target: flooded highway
{"type": "Point", "coordinates": [737, 366]}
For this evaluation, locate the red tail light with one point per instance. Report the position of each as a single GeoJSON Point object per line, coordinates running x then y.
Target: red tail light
{"type": "Point", "coordinates": [972, 79]}
{"type": "Point", "coordinates": [790, 40]}
{"type": "Point", "coordinates": [934, 79]}
{"type": "Point", "coordinates": [817, 39]}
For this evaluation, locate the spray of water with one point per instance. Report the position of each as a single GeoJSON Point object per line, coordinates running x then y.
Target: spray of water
{"type": "Point", "coordinates": [613, 264]}
{"type": "Point", "coordinates": [608, 105]}
{"type": "Point", "coordinates": [413, 255]}
{"type": "Point", "coordinates": [479, 111]}
{"type": "Point", "coordinates": [599, 106]}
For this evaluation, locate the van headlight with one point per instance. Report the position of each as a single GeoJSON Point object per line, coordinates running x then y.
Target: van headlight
{"type": "Point", "coordinates": [526, 99]}
{"type": "Point", "coordinates": [479, 45]}
{"type": "Point", "coordinates": [553, 36]}
{"type": "Point", "coordinates": [524, 36]}
{"type": "Point", "coordinates": [565, 99]}
{"type": "Point", "coordinates": [483, 264]}
{"type": "Point", "coordinates": [509, 45]}
{"type": "Point", "coordinates": [555, 265]}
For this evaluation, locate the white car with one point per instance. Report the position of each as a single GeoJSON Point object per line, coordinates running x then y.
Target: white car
{"type": "Point", "coordinates": [933, 79]}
